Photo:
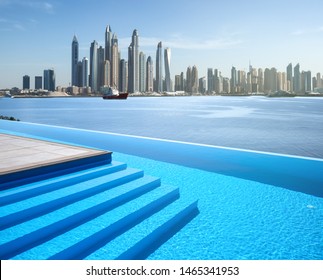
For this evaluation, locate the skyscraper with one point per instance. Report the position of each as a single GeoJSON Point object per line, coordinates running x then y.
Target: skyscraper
{"type": "Point", "coordinates": [100, 67]}
{"type": "Point", "coordinates": [106, 73]}
{"type": "Point", "coordinates": [142, 72]}
{"type": "Point", "coordinates": [150, 75]}
{"type": "Point", "coordinates": [114, 62]}
{"type": "Point", "coordinates": [188, 86]}
{"type": "Point", "coordinates": [233, 81]}
{"type": "Point", "coordinates": [159, 68]}
{"type": "Point", "coordinates": [289, 71]}
{"type": "Point", "coordinates": [94, 66]}
{"type": "Point", "coordinates": [38, 82]}
{"type": "Point", "coordinates": [85, 72]}
{"type": "Point", "coordinates": [133, 63]}
{"type": "Point", "coordinates": [210, 80]}
{"type": "Point", "coordinates": [26, 82]}
{"type": "Point", "coordinates": [297, 79]}
{"type": "Point", "coordinates": [108, 45]}
{"type": "Point", "coordinates": [75, 59]}
{"type": "Point", "coordinates": [195, 80]}
{"type": "Point", "coordinates": [49, 79]}
{"type": "Point", "coordinates": [123, 76]}
{"type": "Point", "coordinates": [167, 56]}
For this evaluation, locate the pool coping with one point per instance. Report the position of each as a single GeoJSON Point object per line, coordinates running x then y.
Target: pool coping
{"type": "Point", "coordinates": [24, 157]}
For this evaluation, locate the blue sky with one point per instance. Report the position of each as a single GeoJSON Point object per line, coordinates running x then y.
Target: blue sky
{"type": "Point", "coordinates": [36, 35]}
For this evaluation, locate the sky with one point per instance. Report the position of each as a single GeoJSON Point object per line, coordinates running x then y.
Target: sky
{"type": "Point", "coordinates": [37, 35]}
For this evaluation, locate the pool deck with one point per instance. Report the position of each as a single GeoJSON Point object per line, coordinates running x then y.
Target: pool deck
{"type": "Point", "coordinates": [19, 154]}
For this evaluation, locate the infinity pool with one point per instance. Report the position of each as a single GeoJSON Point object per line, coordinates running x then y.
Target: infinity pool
{"type": "Point", "coordinates": [239, 218]}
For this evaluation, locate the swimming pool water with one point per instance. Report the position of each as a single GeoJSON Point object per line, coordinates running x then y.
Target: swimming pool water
{"type": "Point", "coordinates": [239, 218]}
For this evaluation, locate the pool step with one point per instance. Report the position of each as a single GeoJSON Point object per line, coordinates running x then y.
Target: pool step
{"type": "Point", "coordinates": [66, 222]}
{"type": "Point", "coordinates": [82, 232]}
{"type": "Point", "coordinates": [142, 249]}
{"type": "Point", "coordinates": [33, 189]}
{"type": "Point", "coordinates": [67, 195]}
{"type": "Point", "coordinates": [75, 216]}
{"type": "Point", "coordinates": [140, 241]}
{"type": "Point", "coordinates": [83, 248]}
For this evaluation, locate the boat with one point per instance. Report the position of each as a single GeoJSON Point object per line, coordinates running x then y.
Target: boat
{"type": "Point", "coordinates": [112, 93]}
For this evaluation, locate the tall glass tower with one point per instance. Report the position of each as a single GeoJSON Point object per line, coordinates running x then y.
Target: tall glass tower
{"type": "Point", "coordinates": [49, 79]}
{"type": "Point", "coordinates": [85, 72]}
{"type": "Point", "coordinates": [289, 71]}
{"type": "Point", "coordinates": [94, 66]}
{"type": "Point", "coordinates": [150, 75]}
{"type": "Point", "coordinates": [167, 55]}
{"type": "Point", "coordinates": [75, 59]}
{"type": "Point", "coordinates": [133, 60]}
{"type": "Point", "coordinates": [159, 68]}
{"type": "Point", "coordinates": [108, 45]}
{"type": "Point", "coordinates": [142, 72]}
{"type": "Point", "coordinates": [114, 63]}
{"type": "Point", "coordinates": [297, 79]}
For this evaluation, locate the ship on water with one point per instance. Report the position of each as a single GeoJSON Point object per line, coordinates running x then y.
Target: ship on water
{"type": "Point", "coordinates": [112, 93]}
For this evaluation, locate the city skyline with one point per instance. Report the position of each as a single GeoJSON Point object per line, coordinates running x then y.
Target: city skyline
{"type": "Point", "coordinates": [37, 35]}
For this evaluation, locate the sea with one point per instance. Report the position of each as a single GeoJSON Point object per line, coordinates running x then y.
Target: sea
{"type": "Point", "coordinates": [292, 126]}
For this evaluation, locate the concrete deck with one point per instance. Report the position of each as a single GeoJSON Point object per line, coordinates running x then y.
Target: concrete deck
{"type": "Point", "coordinates": [20, 153]}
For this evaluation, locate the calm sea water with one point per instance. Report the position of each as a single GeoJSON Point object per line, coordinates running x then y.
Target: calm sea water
{"type": "Point", "coordinates": [282, 125]}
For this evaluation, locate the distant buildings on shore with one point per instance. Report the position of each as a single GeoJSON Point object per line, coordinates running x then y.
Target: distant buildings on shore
{"type": "Point", "coordinates": [48, 78]}
{"type": "Point", "coordinates": [140, 74]}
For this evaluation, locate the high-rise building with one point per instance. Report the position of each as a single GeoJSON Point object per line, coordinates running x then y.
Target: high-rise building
{"type": "Point", "coordinates": [177, 82]}
{"type": "Point", "coordinates": [297, 79]}
{"type": "Point", "coordinates": [319, 81]}
{"type": "Point", "coordinates": [75, 59]}
{"type": "Point", "coordinates": [38, 82]}
{"type": "Point", "coordinates": [202, 85]}
{"type": "Point", "coordinates": [108, 43]}
{"type": "Point", "coordinates": [168, 81]}
{"type": "Point", "coordinates": [260, 80]}
{"type": "Point", "coordinates": [49, 79]}
{"type": "Point", "coordinates": [188, 86]}
{"type": "Point", "coordinates": [306, 81]}
{"type": "Point", "coordinates": [267, 80]}
{"type": "Point", "coordinates": [273, 79]}
{"type": "Point", "coordinates": [210, 80]}
{"type": "Point", "coordinates": [195, 80]}
{"type": "Point", "coordinates": [114, 62]}
{"type": "Point", "coordinates": [123, 76]}
{"type": "Point", "coordinates": [106, 73]}
{"type": "Point", "coordinates": [233, 81]}
{"type": "Point", "coordinates": [159, 68]}
{"type": "Point", "coordinates": [85, 72]}
{"type": "Point", "coordinates": [142, 72]}
{"type": "Point", "coordinates": [26, 82]}
{"type": "Point", "coordinates": [94, 66]}
{"type": "Point", "coordinates": [289, 71]}
{"type": "Point", "coordinates": [79, 73]}
{"type": "Point", "coordinates": [100, 65]}
{"type": "Point", "coordinates": [133, 63]}
{"type": "Point", "coordinates": [150, 75]}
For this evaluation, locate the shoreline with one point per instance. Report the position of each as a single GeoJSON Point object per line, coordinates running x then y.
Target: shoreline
{"type": "Point", "coordinates": [154, 94]}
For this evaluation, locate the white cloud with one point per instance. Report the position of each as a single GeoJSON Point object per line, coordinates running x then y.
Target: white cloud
{"type": "Point", "coordinates": [34, 4]}
{"type": "Point", "coordinates": [308, 31]}
{"type": "Point", "coordinates": [19, 27]}
{"type": "Point", "coordinates": [177, 42]}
